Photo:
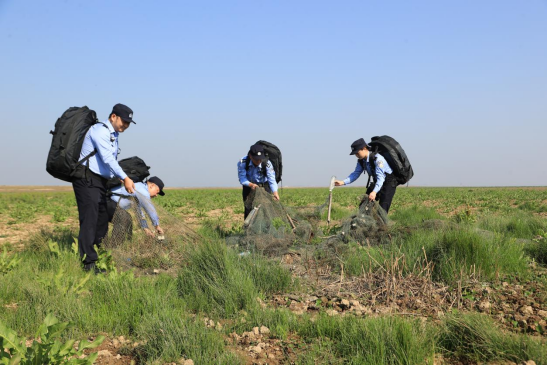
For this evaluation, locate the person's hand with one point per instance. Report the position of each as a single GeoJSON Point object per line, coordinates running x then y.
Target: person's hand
{"type": "Point", "coordinates": [339, 183]}
{"type": "Point", "coordinates": [372, 196]}
{"type": "Point", "coordinates": [252, 186]}
{"type": "Point", "coordinates": [129, 185]}
{"type": "Point", "coordinates": [160, 230]}
{"type": "Point", "coordinates": [276, 196]}
{"type": "Point", "coordinates": [149, 232]}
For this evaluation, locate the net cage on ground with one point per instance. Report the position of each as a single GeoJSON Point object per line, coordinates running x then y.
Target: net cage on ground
{"type": "Point", "coordinates": [273, 229]}
{"type": "Point", "coordinates": [134, 241]}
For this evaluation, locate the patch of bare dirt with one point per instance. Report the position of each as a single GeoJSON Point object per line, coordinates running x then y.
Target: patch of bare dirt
{"type": "Point", "coordinates": [18, 234]}
{"type": "Point", "coordinates": [257, 347]}
{"type": "Point", "coordinates": [114, 351]}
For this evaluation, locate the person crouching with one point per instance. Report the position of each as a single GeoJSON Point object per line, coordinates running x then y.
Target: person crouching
{"type": "Point", "coordinates": [256, 171]}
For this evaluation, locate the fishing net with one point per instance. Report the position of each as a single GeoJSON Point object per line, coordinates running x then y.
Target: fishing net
{"type": "Point", "coordinates": [274, 229]}
{"type": "Point", "coordinates": [134, 241]}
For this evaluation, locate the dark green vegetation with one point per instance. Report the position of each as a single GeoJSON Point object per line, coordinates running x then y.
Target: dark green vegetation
{"type": "Point", "coordinates": [450, 236]}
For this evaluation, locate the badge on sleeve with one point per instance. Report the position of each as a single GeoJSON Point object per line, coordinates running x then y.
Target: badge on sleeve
{"type": "Point", "coordinates": [380, 164]}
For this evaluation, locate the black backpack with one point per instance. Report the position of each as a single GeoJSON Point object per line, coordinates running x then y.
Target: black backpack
{"type": "Point", "coordinates": [134, 167]}
{"type": "Point", "coordinates": [274, 155]}
{"type": "Point", "coordinates": [394, 154]}
{"type": "Point", "coordinates": [70, 129]}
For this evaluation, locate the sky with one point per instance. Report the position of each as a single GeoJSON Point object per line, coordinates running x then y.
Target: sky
{"type": "Point", "coordinates": [462, 85]}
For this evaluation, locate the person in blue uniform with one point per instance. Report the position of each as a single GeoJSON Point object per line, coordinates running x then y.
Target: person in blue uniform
{"type": "Point", "coordinates": [91, 189]}
{"type": "Point", "coordinates": [383, 186]}
{"type": "Point", "coordinates": [254, 171]}
{"type": "Point", "coordinates": [144, 192]}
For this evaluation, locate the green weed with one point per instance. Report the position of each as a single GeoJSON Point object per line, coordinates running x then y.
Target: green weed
{"type": "Point", "coordinates": [48, 350]}
{"type": "Point", "coordinates": [8, 263]}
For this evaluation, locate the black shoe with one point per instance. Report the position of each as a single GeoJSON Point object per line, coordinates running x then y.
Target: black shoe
{"type": "Point", "coordinates": [96, 270]}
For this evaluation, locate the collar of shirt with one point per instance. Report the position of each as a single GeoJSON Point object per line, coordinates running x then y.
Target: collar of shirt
{"type": "Point", "coordinates": [252, 165]}
{"type": "Point", "coordinates": [110, 128]}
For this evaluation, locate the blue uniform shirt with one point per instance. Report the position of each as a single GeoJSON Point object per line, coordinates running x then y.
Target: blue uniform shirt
{"type": "Point", "coordinates": [105, 141]}
{"type": "Point", "coordinates": [381, 169]}
{"type": "Point", "coordinates": [143, 197]}
{"type": "Point", "coordinates": [255, 174]}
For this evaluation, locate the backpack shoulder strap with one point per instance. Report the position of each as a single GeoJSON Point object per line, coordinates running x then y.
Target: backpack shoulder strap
{"type": "Point", "coordinates": [372, 161]}
{"type": "Point", "coordinates": [247, 162]}
{"type": "Point", "coordinates": [92, 153]}
{"type": "Point", "coordinates": [362, 163]}
{"type": "Point", "coordinates": [263, 164]}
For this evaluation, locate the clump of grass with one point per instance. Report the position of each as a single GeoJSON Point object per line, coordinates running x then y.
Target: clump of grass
{"type": "Point", "coordinates": [518, 225]}
{"type": "Point", "coordinates": [170, 335]}
{"type": "Point", "coordinates": [537, 249]}
{"type": "Point", "coordinates": [63, 236]}
{"type": "Point", "coordinates": [267, 276]}
{"type": "Point", "coordinates": [358, 259]}
{"type": "Point", "coordinates": [464, 251]}
{"type": "Point", "coordinates": [383, 340]}
{"type": "Point", "coordinates": [474, 337]}
{"type": "Point", "coordinates": [217, 280]}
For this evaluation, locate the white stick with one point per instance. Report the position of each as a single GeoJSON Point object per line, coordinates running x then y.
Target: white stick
{"type": "Point", "coordinates": [331, 186]}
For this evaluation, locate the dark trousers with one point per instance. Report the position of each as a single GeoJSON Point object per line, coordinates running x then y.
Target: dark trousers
{"type": "Point", "coordinates": [122, 225]}
{"type": "Point", "coordinates": [385, 195]}
{"type": "Point", "coordinates": [91, 198]}
{"type": "Point", "coordinates": [245, 193]}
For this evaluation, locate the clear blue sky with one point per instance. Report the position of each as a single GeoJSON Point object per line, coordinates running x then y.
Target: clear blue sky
{"type": "Point", "coordinates": [461, 84]}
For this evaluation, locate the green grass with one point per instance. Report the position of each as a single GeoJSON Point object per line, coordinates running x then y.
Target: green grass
{"type": "Point", "coordinates": [499, 236]}
{"type": "Point", "coordinates": [456, 251]}
{"type": "Point", "coordinates": [474, 337]}
{"type": "Point", "coordinates": [517, 225]}
{"type": "Point", "coordinates": [459, 253]}
{"type": "Point", "coordinates": [384, 340]}
{"type": "Point", "coordinates": [219, 281]}
{"type": "Point", "coordinates": [415, 214]}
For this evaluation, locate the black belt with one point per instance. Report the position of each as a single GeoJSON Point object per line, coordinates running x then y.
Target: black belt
{"type": "Point", "coordinates": [103, 179]}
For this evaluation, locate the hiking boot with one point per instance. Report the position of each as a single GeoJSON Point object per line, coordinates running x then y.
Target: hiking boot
{"type": "Point", "coordinates": [96, 270]}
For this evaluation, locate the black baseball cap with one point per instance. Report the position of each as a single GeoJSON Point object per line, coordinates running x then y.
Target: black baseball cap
{"type": "Point", "coordinates": [257, 151]}
{"type": "Point", "coordinates": [358, 145]}
{"type": "Point", "coordinates": [124, 112]}
{"type": "Point", "coordinates": [156, 180]}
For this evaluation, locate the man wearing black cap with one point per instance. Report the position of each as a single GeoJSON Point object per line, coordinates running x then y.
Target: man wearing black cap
{"type": "Point", "coordinates": [254, 172]}
{"type": "Point", "coordinates": [384, 183]}
{"type": "Point", "coordinates": [101, 142]}
{"type": "Point", "coordinates": [144, 191]}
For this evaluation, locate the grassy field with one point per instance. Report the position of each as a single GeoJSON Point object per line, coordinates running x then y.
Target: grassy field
{"type": "Point", "coordinates": [460, 279]}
